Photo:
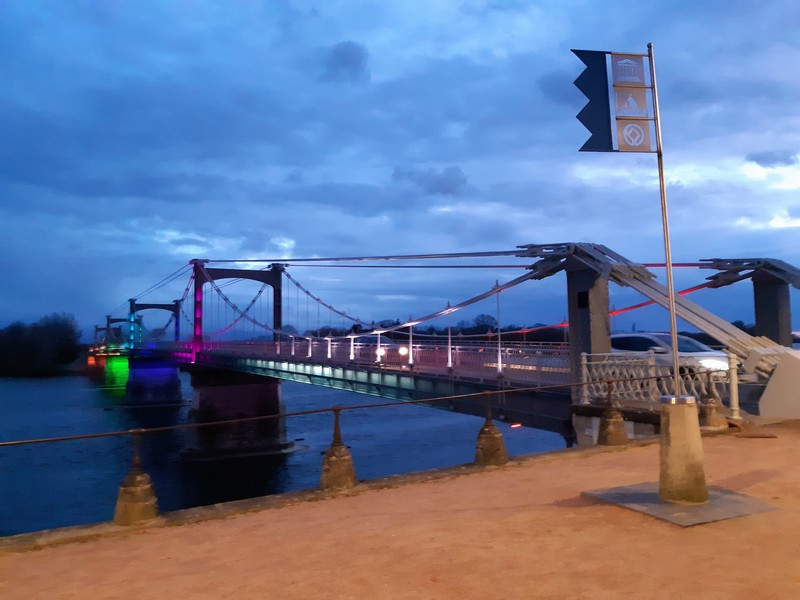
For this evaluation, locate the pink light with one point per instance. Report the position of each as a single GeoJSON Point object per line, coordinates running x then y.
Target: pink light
{"type": "Point", "coordinates": [515, 425]}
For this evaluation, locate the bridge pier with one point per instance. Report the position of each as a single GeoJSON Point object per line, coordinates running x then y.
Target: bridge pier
{"type": "Point", "coordinates": [220, 395]}
{"type": "Point", "coordinates": [152, 382]}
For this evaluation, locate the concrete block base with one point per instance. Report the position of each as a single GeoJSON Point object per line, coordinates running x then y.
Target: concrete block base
{"type": "Point", "coordinates": [644, 497]}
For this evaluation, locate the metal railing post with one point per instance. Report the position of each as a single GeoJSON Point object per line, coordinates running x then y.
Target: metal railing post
{"type": "Point", "coordinates": [584, 393]}
{"type": "Point", "coordinates": [733, 378]}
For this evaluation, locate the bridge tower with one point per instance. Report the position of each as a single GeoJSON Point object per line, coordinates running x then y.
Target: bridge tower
{"type": "Point", "coordinates": [109, 330]}
{"type": "Point", "coordinates": [174, 308]}
{"type": "Point", "coordinates": [223, 395]}
{"type": "Point", "coordinates": [771, 280]}
{"type": "Point", "coordinates": [272, 277]}
{"type": "Point", "coordinates": [588, 268]}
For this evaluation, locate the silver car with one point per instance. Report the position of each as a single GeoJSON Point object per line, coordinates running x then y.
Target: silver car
{"type": "Point", "coordinates": [692, 355]}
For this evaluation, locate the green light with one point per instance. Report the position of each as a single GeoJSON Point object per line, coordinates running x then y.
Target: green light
{"type": "Point", "coordinates": [116, 375]}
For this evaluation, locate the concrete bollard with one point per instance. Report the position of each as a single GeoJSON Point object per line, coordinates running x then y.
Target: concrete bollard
{"type": "Point", "coordinates": [490, 449]}
{"type": "Point", "coordinates": [712, 415]}
{"type": "Point", "coordinates": [136, 501]}
{"type": "Point", "coordinates": [338, 471]}
{"type": "Point", "coordinates": [612, 429]}
{"type": "Point", "coordinates": [682, 474]}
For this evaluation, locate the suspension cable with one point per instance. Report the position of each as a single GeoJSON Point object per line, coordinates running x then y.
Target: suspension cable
{"type": "Point", "coordinates": [388, 257]}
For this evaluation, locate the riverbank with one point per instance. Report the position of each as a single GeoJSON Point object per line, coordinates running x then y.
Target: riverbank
{"type": "Point", "coordinates": [523, 530]}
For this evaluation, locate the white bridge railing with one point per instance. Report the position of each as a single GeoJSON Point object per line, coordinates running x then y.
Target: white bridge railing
{"type": "Point", "coordinates": [630, 379]}
{"type": "Point", "coordinates": [627, 379]}
{"type": "Point", "coordinates": [524, 363]}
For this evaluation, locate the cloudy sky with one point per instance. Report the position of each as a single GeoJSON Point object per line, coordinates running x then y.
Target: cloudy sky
{"type": "Point", "coordinates": [139, 135]}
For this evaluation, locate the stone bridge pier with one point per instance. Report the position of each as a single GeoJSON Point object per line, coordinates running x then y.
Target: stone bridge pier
{"type": "Point", "coordinates": [151, 382]}
{"type": "Point", "coordinates": [220, 395]}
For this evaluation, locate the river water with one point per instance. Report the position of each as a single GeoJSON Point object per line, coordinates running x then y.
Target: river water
{"type": "Point", "coordinates": [45, 486]}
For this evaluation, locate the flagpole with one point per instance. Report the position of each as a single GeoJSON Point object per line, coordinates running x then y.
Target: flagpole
{"type": "Point", "coordinates": [673, 327]}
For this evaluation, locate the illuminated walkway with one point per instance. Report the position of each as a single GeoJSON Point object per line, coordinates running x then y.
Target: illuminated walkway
{"type": "Point", "coordinates": [518, 531]}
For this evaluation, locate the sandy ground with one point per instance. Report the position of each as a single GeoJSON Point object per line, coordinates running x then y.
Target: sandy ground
{"type": "Point", "coordinates": [518, 531]}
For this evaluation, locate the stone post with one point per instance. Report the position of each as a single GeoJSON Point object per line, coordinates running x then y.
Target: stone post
{"type": "Point", "coordinates": [612, 428]}
{"type": "Point", "coordinates": [712, 414]}
{"type": "Point", "coordinates": [338, 471]}
{"type": "Point", "coordinates": [612, 425]}
{"type": "Point", "coordinates": [682, 475]}
{"type": "Point", "coordinates": [136, 501]}
{"type": "Point", "coordinates": [490, 449]}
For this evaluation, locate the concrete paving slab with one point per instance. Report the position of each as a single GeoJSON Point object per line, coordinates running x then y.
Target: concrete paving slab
{"type": "Point", "coordinates": [643, 497]}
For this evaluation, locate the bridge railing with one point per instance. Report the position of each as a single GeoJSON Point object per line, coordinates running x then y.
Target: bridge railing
{"type": "Point", "coordinates": [641, 380]}
{"type": "Point", "coordinates": [537, 363]}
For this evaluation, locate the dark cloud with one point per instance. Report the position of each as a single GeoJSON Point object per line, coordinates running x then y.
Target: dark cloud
{"type": "Point", "coordinates": [558, 87]}
{"type": "Point", "coordinates": [295, 176]}
{"type": "Point", "coordinates": [130, 136]}
{"type": "Point", "coordinates": [346, 62]}
{"type": "Point", "coordinates": [449, 181]}
{"type": "Point", "coordinates": [773, 158]}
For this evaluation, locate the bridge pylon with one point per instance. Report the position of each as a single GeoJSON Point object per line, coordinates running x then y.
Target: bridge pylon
{"type": "Point", "coordinates": [272, 277]}
{"type": "Point", "coordinates": [174, 308]}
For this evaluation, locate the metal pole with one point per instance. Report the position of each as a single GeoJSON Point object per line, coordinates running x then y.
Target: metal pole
{"type": "Point", "coordinates": [499, 337]}
{"type": "Point", "coordinates": [673, 327]}
{"type": "Point", "coordinates": [410, 343]}
{"type": "Point", "coordinates": [449, 340]}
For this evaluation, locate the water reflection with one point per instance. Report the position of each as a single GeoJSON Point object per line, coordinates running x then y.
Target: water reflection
{"type": "Point", "coordinates": [212, 481]}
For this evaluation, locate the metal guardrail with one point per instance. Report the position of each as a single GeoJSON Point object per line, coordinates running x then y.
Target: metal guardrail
{"type": "Point", "coordinates": [137, 488]}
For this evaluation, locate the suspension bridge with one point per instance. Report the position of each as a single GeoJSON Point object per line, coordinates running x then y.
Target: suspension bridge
{"type": "Point", "coordinates": [243, 343]}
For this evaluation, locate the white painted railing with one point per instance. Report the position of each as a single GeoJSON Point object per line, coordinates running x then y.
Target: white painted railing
{"type": "Point", "coordinates": [636, 380]}
{"type": "Point", "coordinates": [525, 363]}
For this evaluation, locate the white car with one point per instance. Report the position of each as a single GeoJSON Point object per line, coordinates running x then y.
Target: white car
{"type": "Point", "coordinates": [692, 355]}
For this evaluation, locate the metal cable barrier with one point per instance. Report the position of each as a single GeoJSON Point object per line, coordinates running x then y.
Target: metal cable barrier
{"type": "Point", "coordinates": [137, 503]}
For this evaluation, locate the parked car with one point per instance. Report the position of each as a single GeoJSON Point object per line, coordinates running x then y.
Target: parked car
{"type": "Point", "coordinates": [692, 355]}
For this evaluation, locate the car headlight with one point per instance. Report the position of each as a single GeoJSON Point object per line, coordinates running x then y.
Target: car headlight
{"type": "Point", "coordinates": [714, 364]}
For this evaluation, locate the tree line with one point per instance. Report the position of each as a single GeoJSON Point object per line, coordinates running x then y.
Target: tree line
{"type": "Point", "coordinates": [39, 349]}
